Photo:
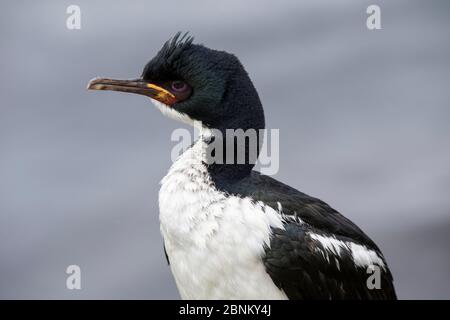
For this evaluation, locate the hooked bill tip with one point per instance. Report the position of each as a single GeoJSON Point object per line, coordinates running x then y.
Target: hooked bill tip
{"type": "Point", "coordinates": [93, 84]}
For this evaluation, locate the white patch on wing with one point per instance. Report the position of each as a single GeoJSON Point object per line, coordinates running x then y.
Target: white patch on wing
{"type": "Point", "coordinates": [362, 256]}
{"type": "Point", "coordinates": [214, 241]}
{"type": "Point", "coordinates": [330, 243]}
{"type": "Point", "coordinates": [288, 217]}
{"type": "Point", "coordinates": [365, 257]}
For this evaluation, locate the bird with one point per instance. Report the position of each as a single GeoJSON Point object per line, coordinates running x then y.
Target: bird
{"type": "Point", "coordinates": [229, 231]}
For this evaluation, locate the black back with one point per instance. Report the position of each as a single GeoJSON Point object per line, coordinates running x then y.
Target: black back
{"type": "Point", "coordinates": [293, 261]}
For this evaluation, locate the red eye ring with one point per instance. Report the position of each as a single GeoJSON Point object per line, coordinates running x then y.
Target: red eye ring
{"type": "Point", "coordinates": [178, 86]}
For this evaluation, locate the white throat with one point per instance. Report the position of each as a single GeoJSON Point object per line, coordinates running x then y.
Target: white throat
{"type": "Point", "coordinates": [174, 114]}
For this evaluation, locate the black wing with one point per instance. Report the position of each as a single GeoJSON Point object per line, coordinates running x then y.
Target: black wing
{"type": "Point", "coordinates": [301, 265]}
{"type": "Point", "coordinates": [305, 269]}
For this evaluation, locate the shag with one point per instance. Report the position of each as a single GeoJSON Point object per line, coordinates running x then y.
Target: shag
{"type": "Point", "coordinates": [229, 231]}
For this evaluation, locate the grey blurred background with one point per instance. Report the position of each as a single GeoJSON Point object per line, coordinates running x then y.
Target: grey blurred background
{"type": "Point", "coordinates": [363, 117]}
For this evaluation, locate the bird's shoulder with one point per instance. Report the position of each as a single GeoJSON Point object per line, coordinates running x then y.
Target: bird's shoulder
{"type": "Point", "coordinates": [318, 254]}
{"type": "Point", "coordinates": [298, 205]}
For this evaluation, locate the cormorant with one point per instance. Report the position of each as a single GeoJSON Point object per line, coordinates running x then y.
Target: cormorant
{"type": "Point", "coordinates": [230, 232]}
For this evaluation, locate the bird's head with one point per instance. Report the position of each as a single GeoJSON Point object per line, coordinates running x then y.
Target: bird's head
{"type": "Point", "coordinates": [191, 82]}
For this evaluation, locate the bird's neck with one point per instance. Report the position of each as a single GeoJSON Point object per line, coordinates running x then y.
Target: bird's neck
{"type": "Point", "coordinates": [232, 153]}
{"type": "Point", "coordinates": [243, 116]}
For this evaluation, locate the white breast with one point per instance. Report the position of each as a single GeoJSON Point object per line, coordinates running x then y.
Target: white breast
{"type": "Point", "coordinates": [214, 242]}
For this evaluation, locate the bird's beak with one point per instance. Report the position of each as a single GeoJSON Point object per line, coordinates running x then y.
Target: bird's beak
{"type": "Point", "coordinates": [138, 86]}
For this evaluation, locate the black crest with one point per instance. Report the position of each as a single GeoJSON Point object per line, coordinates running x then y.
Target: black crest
{"type": "Point", "coordinates": [162, 64]}
{"type": "Point", "coordinates": [173, 47]}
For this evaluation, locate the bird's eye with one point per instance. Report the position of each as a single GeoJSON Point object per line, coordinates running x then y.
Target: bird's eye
{"type": "Point", "coordinates": [178, 86]}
